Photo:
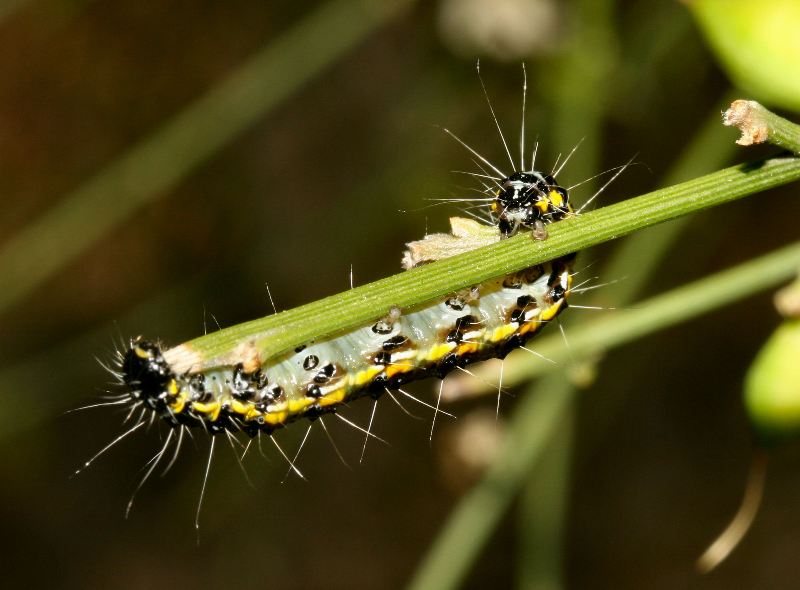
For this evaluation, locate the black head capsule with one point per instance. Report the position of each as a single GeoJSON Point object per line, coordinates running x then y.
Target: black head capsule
{"type": "Point", "coordinates": [527, 197]}
{"type": "Point", "coordinates": [146, 372]}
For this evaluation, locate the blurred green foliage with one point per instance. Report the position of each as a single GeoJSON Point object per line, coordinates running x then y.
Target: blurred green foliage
{"type": "Point", "coordinates": [758, 44]}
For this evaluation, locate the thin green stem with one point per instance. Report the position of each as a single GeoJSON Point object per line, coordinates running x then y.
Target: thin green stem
{"type": "Point", "coordinates": [284, 331]}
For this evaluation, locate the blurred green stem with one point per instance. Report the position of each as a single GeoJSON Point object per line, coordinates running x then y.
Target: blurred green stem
{"type": "Point", "coordinates": [157, 163]}
{"type": "Point", "coordinates": [543, 506]}
{"type": "Point", "coordinates": [578, 86]}
{"type": "Point", "coordinates": [466, 531]}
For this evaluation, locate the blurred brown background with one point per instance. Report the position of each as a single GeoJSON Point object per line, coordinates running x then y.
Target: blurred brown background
{"type": "Point", "coordinates": [333, 173]}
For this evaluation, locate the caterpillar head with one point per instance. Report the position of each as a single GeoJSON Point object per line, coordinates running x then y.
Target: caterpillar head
{"type": "Point", "coordinates": [146, 373]}
{"type": "Point", "coordinates": [527, 197]}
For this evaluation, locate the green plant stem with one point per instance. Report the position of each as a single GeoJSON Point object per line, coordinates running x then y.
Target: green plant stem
{"type": "Point", "coordinates": [156, 164]}
{"type": "Point", "coordinates": [537, 416]}
{"type": "Point", "coordinates": [782, 133]}
{"type": "Point", "coordinates": [284, 331]}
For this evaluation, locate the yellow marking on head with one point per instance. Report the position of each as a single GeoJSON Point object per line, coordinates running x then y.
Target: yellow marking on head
{"type": "Point", "coordinates": [141, 352]}
{"type": "Point", "coordinates": [172, 387]}
{"type": "Point", "coordinates": [542, 205]}
{"type": "Point", "coordinates": [556, 199]}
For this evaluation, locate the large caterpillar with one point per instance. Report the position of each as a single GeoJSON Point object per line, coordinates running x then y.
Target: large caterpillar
{"type": "Point", "coordinates": [487, 321]}
{"type": "Point", "coordinates": [241, 391]}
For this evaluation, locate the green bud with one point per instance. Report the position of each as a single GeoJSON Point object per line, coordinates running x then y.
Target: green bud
{"type": "Point", "coordinates": [772, 386]}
